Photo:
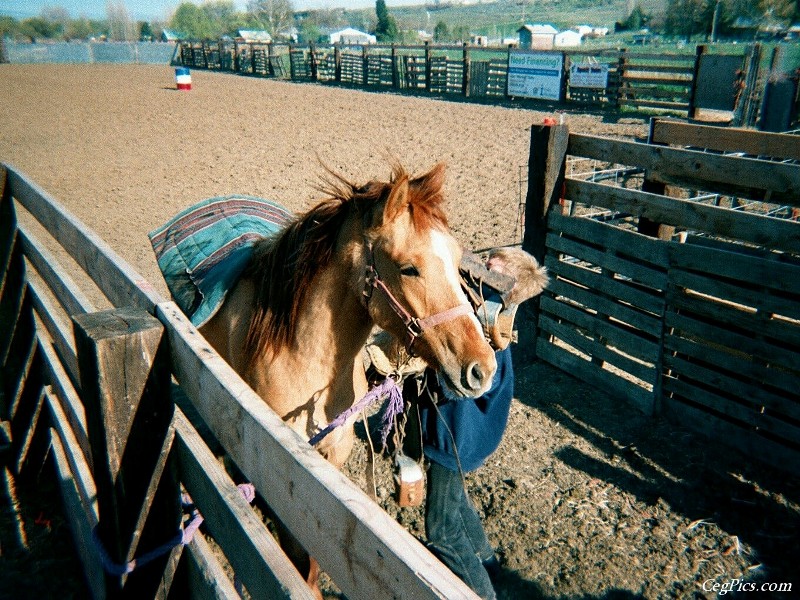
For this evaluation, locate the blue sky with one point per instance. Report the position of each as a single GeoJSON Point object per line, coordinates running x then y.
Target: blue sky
{"type": "Point", "coordinates": [150, 10]}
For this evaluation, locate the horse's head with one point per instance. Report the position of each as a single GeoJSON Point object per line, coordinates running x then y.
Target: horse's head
{"type": "Point", "coordinates": [413, 287]}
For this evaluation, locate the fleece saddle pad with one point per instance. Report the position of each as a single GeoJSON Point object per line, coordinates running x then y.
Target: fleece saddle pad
{"type": "Point", "coordinates": [203, 250]}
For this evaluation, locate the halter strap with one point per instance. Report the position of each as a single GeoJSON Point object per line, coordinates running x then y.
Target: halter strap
{"type": "Point", "coordinates": [415, 327]}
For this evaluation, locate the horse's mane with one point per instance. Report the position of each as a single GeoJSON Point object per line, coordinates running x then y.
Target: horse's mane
{"type": "Point", "coordinates": [283, 267]}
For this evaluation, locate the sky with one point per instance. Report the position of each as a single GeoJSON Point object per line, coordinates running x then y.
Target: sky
{"type": "Point", "coordinates": [157, 10]}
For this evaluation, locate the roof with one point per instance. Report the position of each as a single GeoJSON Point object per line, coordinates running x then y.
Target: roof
{"type": "Point", "coordinates": [256, 35]}
{"type": "Point", "coordinates": [539, 28]}
{"type": "Point", "coordinates": [351, 34]}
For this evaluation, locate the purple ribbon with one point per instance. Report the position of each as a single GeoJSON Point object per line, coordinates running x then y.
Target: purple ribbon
{"type": "Point", "coordinates": [387, 386]}
{"type": "Point", "coordinates": [183, 537]}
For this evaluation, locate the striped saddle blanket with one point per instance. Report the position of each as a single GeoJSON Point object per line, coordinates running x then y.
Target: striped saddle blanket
{"type": "Point", "coordinates": [203, 250]}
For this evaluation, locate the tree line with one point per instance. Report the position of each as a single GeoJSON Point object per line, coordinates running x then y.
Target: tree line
{"type": "Point", "coordinates": [218, 18]}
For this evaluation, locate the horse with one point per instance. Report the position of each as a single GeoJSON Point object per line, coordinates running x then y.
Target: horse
{"type": "Point", "coordinates": [295, 324]}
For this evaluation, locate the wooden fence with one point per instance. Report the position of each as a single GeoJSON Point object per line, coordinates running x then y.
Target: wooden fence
{"type": "Point", "coordinates": [676, 285]}
{"type": "Point", "coordinates": [679, 83]}
{"type": "Point", "coordinates": [106, 394]}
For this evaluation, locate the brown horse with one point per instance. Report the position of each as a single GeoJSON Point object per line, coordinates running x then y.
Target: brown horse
{"type": "Point", "coordinates": [295, 324]}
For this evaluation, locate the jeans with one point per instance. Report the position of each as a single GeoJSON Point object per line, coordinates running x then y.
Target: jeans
{"type": "Point", "coordinates": [455, 532]}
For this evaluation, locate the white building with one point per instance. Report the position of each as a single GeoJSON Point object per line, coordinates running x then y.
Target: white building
{"type": "Point", "coordinates": [568, 39]}
{"type": "Point", "coordinates": [352, 36]}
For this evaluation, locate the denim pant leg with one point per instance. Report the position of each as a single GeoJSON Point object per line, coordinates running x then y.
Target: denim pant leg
{"type": "Point", "coordinates": [454, 530]}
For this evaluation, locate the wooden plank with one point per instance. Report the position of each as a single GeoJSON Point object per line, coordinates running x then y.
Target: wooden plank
{"type": "Point", "coordinates": [622, 290]}
{"type": "Point", "coordinates": [628, 340]}
{"type": "Point", "coordinates": [638, 272]}
{"type": "Point", "coordinates": [780, 332]}
{"type": "Point", "coordinates": [595, 375]}
{"type": "Point", "coordinates": [610, 237]}
{"type": "Point", "coordinates": [645, 322]}
{"type": "Point", "coordinates": [752, 445]}
{"type": "Point", "coordinates": [739, 364]}
{"type": "Point", "coordinates": [697, 170]}
{"type": "Point", "coordinates": [79, 468]}
{"type": "Point", "coordinates": [758, 267]}
{"type": "Point", "coordinates": [722, 337]}
{"type": "Point", "coordinates": [360, 546]}
{"type": "Point", "coordinates": [254, 554]}
{"type": "Point", "coordinates": [778, 234]}
{"type": "Point", "coordinates": [755, 297]}
{"type": "Point", "coordinates": [750, 416]}
{"type": "Point", "coordinates": [704, 369]}
{"type": "Point", "coordinates": [64, 288]}
{"type": "Point", "coordinates": [680, 106]}
{"type": "Point", "coordinates": [59, 332]}
{"type": "Point", "coordinates": [81, 523]}
{"type": "Point", "coordinates": [12, 296]}
{"type": "Point", "coordinates": [121, 284]}
{"type": "Point", "coordinates": [726, 139]}
{"type": "Point", "coordinates": [597, 349]}
{"type": "Point", "coordinates": [207, 578]}
{"type": "Point", "coordinates": [63, 390]}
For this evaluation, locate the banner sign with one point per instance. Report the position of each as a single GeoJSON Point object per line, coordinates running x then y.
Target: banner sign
{"type": "Point", "coordinates": [535, 74]}
{"type": "Point", "coordinates": [588, 75]}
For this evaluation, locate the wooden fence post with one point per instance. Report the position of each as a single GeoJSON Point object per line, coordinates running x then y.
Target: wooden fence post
{"type": "Point", "coordinates": [337, 62]}
{"type": "Point", "coordinates": [698, 56]}
{"type": "Point", "coordinates": [428, 66]}
{"type": "Point", "coordinates": [395, 68]}
{"type": "Point", "coordinates": [312, 57]}
{"type": "Point", "coordinates": [364, 65]}
{"type": "Point", "coordinates": [125, 377]}
{"type": "Point", "coordinates": [546, 167]}
{"type": "Point", "coordinates": [465, 80]}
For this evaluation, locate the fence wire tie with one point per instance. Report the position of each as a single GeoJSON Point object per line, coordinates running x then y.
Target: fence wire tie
{"type": "Point", "coordinates": [183, 537]}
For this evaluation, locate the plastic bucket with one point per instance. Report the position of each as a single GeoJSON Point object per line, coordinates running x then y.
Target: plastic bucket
{"type": "Point", "coordinates": [183, 79]}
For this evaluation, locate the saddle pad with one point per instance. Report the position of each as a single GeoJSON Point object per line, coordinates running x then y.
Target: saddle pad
{"type": "Point", "coordinates": [203, 250]}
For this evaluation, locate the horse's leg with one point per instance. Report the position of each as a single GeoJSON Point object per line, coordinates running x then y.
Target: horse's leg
{"type": "Point", "coordinates": [306, 566]}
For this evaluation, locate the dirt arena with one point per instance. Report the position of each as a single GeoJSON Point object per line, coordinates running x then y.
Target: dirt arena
{"type": "Point", "coordinates": [586, 498]}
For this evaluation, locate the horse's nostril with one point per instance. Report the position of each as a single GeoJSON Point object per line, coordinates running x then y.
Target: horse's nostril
{"type": "Point", "coordinates": [475, 376]}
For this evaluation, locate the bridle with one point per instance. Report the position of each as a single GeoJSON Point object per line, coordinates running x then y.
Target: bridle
{"type": "Point", "coordinates": [414, 326]}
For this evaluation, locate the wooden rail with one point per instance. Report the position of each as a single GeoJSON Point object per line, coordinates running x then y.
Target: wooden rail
{"type": "Point", "coordinates": [62, 390]}
{"type": "Point", "coordinates": [702, 326]}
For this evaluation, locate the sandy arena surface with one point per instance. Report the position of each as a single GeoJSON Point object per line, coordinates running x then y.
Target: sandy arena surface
{"type": "Point", "coordinates": [586, 498]}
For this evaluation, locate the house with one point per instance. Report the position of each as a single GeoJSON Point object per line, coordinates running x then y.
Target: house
{"type": "Point", "coordinates": [479, 40]}
{"type": "Point", "coordinates": [352, 36]}
{"type": "Point", "coordinates": [538, 37]}
{"type": "Point", "coordinates": [568, 39]}
{"type": "Point", "coordinates": [254, 35]}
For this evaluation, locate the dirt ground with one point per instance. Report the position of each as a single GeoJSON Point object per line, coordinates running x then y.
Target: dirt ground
{"type": "Point", "coordinates": [586, 498]}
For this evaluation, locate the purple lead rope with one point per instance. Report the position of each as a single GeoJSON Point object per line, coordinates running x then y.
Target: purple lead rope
{"type": "Point", "coordinates": [394, 407]}
{"type": "Point", "coordinates": [183, 537]}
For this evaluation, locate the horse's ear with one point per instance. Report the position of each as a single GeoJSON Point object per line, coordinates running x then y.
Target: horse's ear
{"type": "Point", "coordinates": [398, 200]}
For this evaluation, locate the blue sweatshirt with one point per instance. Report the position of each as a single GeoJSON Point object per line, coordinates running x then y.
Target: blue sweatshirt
{"type": "Point", "coordinates": [477, 424]}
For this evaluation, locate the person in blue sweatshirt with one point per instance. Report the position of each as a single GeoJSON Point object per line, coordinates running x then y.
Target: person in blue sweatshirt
{"type": "Point", "coordinates": [458, 436]}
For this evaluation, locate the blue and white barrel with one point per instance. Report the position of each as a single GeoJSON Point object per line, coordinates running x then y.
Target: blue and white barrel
{"type": "Point", "coordinates": [183, 78]}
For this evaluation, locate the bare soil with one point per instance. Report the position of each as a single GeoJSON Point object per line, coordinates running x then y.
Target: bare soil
{"type": "Point", "coordinates": [585, 498]}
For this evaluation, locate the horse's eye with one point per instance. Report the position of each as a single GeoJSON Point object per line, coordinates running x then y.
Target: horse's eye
{"type": "Point", "coordinates": [409, 271]}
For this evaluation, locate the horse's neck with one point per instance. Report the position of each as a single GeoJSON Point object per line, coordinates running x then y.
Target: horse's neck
{"type": "Point", "coordinates": [333, 325]}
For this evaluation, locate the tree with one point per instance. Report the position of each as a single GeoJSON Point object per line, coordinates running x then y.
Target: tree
{"type": "Point", "coordinates": [120, 25]}
{"type": "Point", "coordinates": [386, 29]}
{"type": "Point", "coordinates": [145, 32]}
{"type": "Point", "coordinates": [276, 16]}
{"type": "Point", "coordinates": [440, 32]}
{"type": "Point", "coordinates": [686, 18]}
{"type": "Point", "coordinates": [192, 21]}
